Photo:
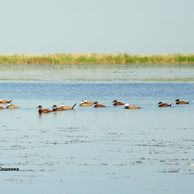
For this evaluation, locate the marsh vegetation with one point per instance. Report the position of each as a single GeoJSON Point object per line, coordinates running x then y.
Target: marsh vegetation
{"type": "Point", "coordinates": [93, 58]}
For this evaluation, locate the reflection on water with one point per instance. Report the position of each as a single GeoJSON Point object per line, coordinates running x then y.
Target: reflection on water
{"type": "Point", "coordinates": [89, 150]}
{"type": "Point", "coordinates": [127, 73]}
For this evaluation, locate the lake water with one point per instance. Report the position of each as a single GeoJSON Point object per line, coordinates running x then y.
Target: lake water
{"type": "Point", "coordinates": [97, 151]}
{"type": "Point", "coordinates": [99, 73]}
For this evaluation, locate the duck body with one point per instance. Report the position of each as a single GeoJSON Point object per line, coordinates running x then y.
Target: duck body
{"type": "Point", "coordinates": [162, 104]}
{"type": "Point", "coordinates": [131, 107]}
{"type": "Point", "coordinates": [11, 106]}
{"type": "Point", "coordinates": [178, 101]}
{"type": "Point", "coordinates": [68, 107]}
{"type": "Point", "coordinates": [40, 111]}
{"type": "Point", "coordinates": [117, 103]}
{"type": "Point", "coordinates": [85, 104]}
{"type": "Point", "coordinates": [97, 105]}
{"type": "Point", "coordinates": [5, 101]}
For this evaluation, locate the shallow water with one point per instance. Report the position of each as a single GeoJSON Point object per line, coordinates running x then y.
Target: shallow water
{"type": "Point", "coordinates": [109, 150]}
{"type": "Point", "coordinates": [98, 73]}
{"type": "Point", "coordinates": [89, 150]}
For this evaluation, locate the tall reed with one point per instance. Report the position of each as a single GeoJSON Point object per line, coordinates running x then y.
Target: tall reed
{"type": "Point", "coordinates": [93, 58]}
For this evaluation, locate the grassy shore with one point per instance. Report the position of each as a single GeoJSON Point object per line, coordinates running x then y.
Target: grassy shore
{"type": "Point", "coordinates": [97, 59]}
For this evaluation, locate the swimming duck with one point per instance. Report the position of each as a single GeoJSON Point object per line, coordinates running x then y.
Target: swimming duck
{"type": "Point", "coordinates": [63, 107]}
{"type": "Point", "coordinates": [162, 104]}
{"type": "Point", "coordinates": [117, 103]}
{"type": "Point", "coordinates": [131, 107]}
{"type": "Point", "coordinates": [5, 101]}
{"type": "Point", "coordinates": [86, 103]}
{"type": "Point", "coordinates": [43, 110]}
{"type": "Point", "coordinates": [97, 105]}
{"type": "Point", "coordinates": [178, 101]}
{"type": "Point", "coordinates": [11, 106]}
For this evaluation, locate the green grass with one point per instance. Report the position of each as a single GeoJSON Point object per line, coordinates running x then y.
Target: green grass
{"type": "Point", "coordinates": [93, 58]}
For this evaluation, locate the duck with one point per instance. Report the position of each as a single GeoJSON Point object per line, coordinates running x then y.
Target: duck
{"type": "Point", "coordinates": [5, 101]}
{"type": "Point", "coordinates": [1, 107]}
{"type": "Point", "coordinates": [97, 105]}
{"type": "Point", "coordinates": [131, 107]}
{"type": "Point", "coordinates": [117, 103]}
{"type": "Point", "coordinates": [11, 106]}
{"type": "Point", "coordinates": [162, 104]}
{"type": "Point", "coordinates": [178, 101]}
{"type": "Point", "coordinates": [43, 110]}
{"type": "Point", "coordinates": [63, 107]}
{"type": "Point", "coordinates": [86, 103]}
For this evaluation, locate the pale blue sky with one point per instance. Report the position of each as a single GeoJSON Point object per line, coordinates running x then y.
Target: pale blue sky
{"type": "Point", "coordinates": [132, 26]}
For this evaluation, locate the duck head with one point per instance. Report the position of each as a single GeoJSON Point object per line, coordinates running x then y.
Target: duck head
{"type": "Point", "coordinates": [159, 103]}
{"type": "Point", "coordinates": [54, 107]}
{"type": "Point", "coordinates": [114, 101]}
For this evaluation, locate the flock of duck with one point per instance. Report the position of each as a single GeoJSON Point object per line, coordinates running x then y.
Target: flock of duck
{"type": "Point", "coordinates": [6, 104]}
{"type": "Point", "coordinates": [87, 103]}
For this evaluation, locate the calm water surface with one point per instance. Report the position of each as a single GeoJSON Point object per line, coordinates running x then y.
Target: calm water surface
{"type": "Point", "coordinates": [119, 73]}
{"type": "Point", "coordinates": [101, 151]}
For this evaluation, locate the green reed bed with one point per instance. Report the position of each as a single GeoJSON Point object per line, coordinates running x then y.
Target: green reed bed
{"type": "Point", "coordinates": [97, 59]}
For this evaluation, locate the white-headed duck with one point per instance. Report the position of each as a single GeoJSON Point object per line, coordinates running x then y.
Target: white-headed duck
{"type": "Point", "coordinates": [131, 107]}
{"type": "Point", "coordinates": [43, 110]}
{"type": "Point", "coordinates": [162, 104]}
{"type": "Point", "coordinates": [178, 101]}
{"type": "Point", "coordinates": [97, 105]}
{"type": "Point", "coordinates": [117, 103]}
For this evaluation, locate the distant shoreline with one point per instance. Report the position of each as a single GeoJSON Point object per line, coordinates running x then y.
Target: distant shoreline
{"type": "Point", "coordinates": [97, 59]}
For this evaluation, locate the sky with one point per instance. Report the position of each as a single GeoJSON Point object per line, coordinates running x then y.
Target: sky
{"type": "Point", "coordinates": [101, 26]}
